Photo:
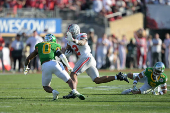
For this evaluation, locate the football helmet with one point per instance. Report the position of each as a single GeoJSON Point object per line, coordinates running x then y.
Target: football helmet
{"type": "Point", "coordinates": [50, 38]}
{"type": "Point", "coordinates": [158, 69]}
{"type": "Point", "coordinates": [74, 29]}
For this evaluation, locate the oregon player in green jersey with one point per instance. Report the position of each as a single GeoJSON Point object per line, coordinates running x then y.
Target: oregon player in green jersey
{"type": "Point", "coordinates": [151, 77]}
{"type": "Point", "coordinates": [47, 52]}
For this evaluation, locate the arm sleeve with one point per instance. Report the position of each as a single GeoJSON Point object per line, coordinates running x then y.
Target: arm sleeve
{"type": "Point", "coordinates": [58, 53]}
{"type": "Point", "coordinates": [64, 60]}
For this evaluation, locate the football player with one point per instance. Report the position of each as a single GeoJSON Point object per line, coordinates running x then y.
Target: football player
{"type": "Point", "coordinates": [78, 42]}
{"type": "Point", "coordinates": [151, 77]}
{"type": "Point", "coordinates": [47, 51]}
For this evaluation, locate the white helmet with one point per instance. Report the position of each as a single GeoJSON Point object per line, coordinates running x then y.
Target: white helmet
{"type": "Point", "coordinates": [50, 38]}
{"type": "Point", "coordinates": [158, 69]}
{"type": "Point", "coordinates": [74, 29]}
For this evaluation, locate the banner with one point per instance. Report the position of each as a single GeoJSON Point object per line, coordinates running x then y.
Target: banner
{"type": "Point", "coordinates": [16, 25]}
{"type": "Point", "coordinates": [158, 17]}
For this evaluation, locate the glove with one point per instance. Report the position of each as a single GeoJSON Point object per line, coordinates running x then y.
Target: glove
{"type": "Point", "coordinates": [68, 53]}
{"type": "Point", "coordinates": [70, 69]}
{"type": "Point", "coordinates": [69, 37]}
{"type": "Point", "coordinates": [26, 69]}
{"type": "Point", "coordinates": [135, 88]}
{"type": "Point", "coordinates": [154, 93]}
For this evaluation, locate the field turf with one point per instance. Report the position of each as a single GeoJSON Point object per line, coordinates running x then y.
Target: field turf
{"type": "Point", "coordinates": [21, 93]}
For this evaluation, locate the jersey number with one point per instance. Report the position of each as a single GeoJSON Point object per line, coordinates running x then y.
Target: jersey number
{"type": "Point", "coordinates": [76, 49]}
{"type": "Point", "coordinates": [46, 48]}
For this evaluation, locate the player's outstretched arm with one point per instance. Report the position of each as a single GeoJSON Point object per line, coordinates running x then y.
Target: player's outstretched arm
{"type": "Point", "coordinates": [164, 89]}
{"type": "Point", "coordinates": [136, 81]}
{"type": "Point", "coordinates": [64, 60]}
{"type": "Point", "coordinates": [28, 59]}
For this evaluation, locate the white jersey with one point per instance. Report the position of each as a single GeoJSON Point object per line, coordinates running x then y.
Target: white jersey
{"type": "Point", "coordinates": [81, 51]}
{"type": "Point", "coordinates": [33, 41]}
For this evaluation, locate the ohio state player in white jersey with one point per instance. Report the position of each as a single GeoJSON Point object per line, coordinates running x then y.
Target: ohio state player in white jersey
{"type": "Point", "coordinates": [78, 42]}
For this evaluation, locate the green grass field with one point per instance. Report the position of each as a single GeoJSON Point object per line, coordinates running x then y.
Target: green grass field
{"type": "Point", "coordinates": [21, 93]}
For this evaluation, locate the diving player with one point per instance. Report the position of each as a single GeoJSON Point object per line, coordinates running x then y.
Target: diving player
{"type": "Point", "coordinates": [151, 77]}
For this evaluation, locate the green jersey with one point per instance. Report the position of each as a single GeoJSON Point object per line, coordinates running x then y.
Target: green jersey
{"type": "Point", "coordinates": [47, 50]}
{"type": "Point", "coordinates": [153, 83]}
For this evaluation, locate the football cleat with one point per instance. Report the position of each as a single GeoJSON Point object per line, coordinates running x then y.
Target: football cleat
{"type": "Point", "coordinates": [121, 77]}
{"type": "Point", "coordinates": [55, 94]}
{"type": "Point", "coordinates": [127, 91]}
{"type": "Point", "coordinates": [80, 96]}
{"type": "Point", "coordinates": [70, 95]}
{"type": "Point", "coordinates": [74, 95]}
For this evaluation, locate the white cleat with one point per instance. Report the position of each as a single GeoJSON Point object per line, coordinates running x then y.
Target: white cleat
{"type": "Point", "coordinates": [127, 91]}
{"type": "Point", "coordinates": [55, 94]}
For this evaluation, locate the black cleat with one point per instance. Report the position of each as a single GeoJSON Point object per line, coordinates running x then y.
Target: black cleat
{"type": "Point", "coordinates": [121, 77]}
{"type": "Point", "coordinates": [70, 95]}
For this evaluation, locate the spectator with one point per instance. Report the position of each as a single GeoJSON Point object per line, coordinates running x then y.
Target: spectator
{"type": "Point", "coordinates": [166, 46]}
{"type": "Point", "coordinates": [107, 5]}
{"type": "Point", "coordinates": [20, 3]}
{"type": "Point", "coordinates": [141, 48]}
{"type": "Point", "coordinates": [32, 41]}
{"type": "Point", "coordinates": [156, 49]}
{"type": "Point", "coordinates": [97, 6]}
{"type": "Point", "coordinates": [102, 45]}
{"type": "Point", "coordinates": [122, 52]}
{"type": "Point", "coordinates": [131, 55]}
{"type": "Point", "coordinates": [120, 4]}
{"type": "Point", "coordinates": [92, 40]}
{"type": "Point", "coordinates": [50, 4]}
{"type": "Point", "coordinates": [14, 6]}
{"type": "Point", "coordinates": [149, 52]}
{"type": "Point", "coordinates": [17, 48]}
{"type": "Point", "coordinates": [2, 44]}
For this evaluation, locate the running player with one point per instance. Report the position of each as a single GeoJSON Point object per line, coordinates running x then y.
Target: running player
{"type": "Point", "coordinates": [78, 42]}
{"type": "Point", "coordinates": [47, 51]}
{"type": "Point", "coordinates": [151, 77]}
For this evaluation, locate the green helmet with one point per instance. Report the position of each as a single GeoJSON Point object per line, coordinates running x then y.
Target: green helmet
{"type": "Point", "coordinates": [50, 38]}
{"type": "Point", "coordinates": [158, 69]}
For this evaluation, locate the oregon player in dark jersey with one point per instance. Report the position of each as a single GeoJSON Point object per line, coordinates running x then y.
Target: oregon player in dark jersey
{"type": "Point", "coordinates": [47, 52]}
{"type": "Point", "coordinates": [151, 77]}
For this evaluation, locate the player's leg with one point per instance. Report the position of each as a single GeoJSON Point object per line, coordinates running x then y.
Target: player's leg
{"type": "Point", "coordinates": [46, 79]}
{"type": "Point", "coordinates": [94, 74]}
{"type": "Point", "coordinates": [60, 72]}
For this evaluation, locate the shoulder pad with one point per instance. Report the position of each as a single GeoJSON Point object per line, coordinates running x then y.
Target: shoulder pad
{"type": "Point", "coordinates": [83, 36]}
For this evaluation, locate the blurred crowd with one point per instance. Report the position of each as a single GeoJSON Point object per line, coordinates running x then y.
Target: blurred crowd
{"type": "Point", "coordinates": [111, 52]}
{"type": "Point", "coordinates": [91, 7]}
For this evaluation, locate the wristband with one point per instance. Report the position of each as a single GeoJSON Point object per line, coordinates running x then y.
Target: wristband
{"type": "Point", "coordinates": [76, 41]}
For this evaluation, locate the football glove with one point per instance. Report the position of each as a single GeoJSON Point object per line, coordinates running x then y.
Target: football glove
{"type": "Point", "coordinates": [68, 52]}
{"type": "Point", "coordinates": [69, 37]}
{"type": "Point", "coordinates": [135, 88]}
{"type": "Point", "coordinates": [154, 93]}
{"type": "Point", "coordinates": [26, 69]}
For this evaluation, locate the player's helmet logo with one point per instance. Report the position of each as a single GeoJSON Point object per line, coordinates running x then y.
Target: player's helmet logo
{"type": "Point", "coordinates": [158, 69]}
{"type": "Point", "coordinates": [50, 38]}
{"type": "Point", "coordinates": [74, 29]}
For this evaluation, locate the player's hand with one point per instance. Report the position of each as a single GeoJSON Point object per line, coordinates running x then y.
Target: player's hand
{"type": "Point", "coordinates": [69, 37]}
{"type": "Point", "coordinates": [154, 93]}
{"type": "Point", "coordinates": [68, 53]}
{"type": "Point", "coordinates": [70, 69]}
{"type": "Point", "coordinates": [135, 88]}
{"type": "Point", "coordinates": [26, 69]}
